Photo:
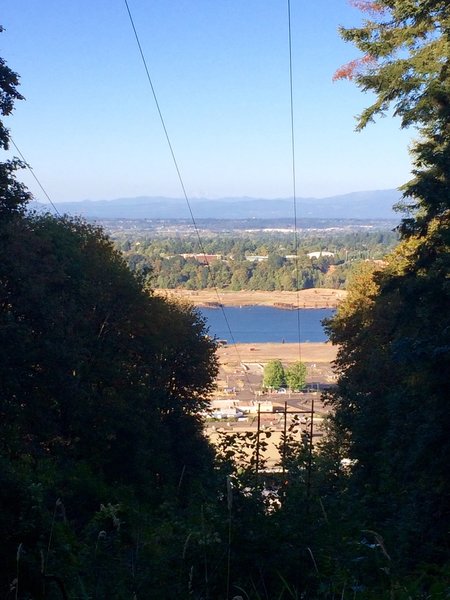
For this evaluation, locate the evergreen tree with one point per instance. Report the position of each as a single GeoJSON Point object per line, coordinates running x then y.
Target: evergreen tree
{"type": "Point", "coordinates": [393, 329]}
{"type": "Point", "coordinates": [406, 63]}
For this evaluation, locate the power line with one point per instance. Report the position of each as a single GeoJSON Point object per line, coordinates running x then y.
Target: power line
{"type": "Point", "coordinates": [291, 87]}
{"type": "Point", "coordinates": [34, 176]}
{"type": "Point", "coordinates": [294, 183]}
{"type": "Point", "coordinates": [180, 179]}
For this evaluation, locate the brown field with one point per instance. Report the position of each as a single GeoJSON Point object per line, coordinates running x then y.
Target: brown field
{"type": "Point", "coordinates": [287, 353]}
{"type": "Point", "coordinates": [311, 298]}
{"type": "Point", "coordinates": [242, 365]}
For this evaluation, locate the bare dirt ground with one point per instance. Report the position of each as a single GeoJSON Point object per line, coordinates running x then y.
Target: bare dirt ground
{"type": "Point", "coordinates": [287, 353]}
{"type": "Point", "coordinates": [312, 298]}
{"type": "Point", "coordinates": [241, 366]}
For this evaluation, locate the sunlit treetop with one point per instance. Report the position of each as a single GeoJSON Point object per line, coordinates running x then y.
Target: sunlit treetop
{"type": "Point", "coordinates": [405, 47]}
{"type": "Point", "coordinates": [369, 7]}
{"type": "Point", "coordinates": [405, 62]}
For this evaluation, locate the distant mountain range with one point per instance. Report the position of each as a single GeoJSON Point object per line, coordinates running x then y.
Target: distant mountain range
{"type": "Point", "coordinates": [357, 205]}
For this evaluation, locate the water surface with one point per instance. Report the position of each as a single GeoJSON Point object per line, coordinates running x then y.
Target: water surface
{"type": "Point", "coordinates": [262, 324]}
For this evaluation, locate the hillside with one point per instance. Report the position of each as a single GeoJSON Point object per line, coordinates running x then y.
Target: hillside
{"type": "Point", "coordinates": [357, 205]}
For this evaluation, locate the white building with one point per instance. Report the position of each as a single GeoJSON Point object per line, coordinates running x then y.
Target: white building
{"type": "Point", "coordinates": [319, 254]}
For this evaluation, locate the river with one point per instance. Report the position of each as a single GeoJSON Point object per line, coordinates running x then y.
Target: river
{"type": "Point", "coordinates": [262, 324]}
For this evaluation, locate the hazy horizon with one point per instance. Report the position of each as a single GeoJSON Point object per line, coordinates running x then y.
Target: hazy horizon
{"type": "Point", "coordinates": [90, 129]}
{"type": "Point", "coordinates": [213, 198]}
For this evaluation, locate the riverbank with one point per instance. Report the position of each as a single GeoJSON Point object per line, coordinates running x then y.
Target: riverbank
{"type": "Point", "coordinates": [311, 298]}
{"type": "Point", "coordinates": [323, 353]}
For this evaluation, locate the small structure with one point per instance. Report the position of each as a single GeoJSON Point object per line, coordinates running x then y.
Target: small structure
{"type": "Point", "coordinates": [252, 407]}
{"type": "Point", "coordinates": [203, 259]}
{"type": "Point", "coordinates": [224, 408]}
{"type": "Point", "coordinates": [322, 253]}
{"type": "Point", "coordinates": [256, 258]}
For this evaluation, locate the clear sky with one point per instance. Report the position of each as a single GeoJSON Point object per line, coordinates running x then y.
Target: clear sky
{"type": "Point", "coordinates": [90, 129]}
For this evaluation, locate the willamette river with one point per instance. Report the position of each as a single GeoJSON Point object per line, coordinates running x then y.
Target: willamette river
{"type": "Point", "coordinates": [259, 324]}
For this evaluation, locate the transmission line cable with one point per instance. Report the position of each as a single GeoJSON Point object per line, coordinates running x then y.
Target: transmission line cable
{"type": "Point", "coordinates": [35, 176]}
{"type": "Point", "coordinates": [181, 181]}
{"type": "Point", "coordinates": [294, 182]}
{"type": "Point", "coordinates": [311, 427]}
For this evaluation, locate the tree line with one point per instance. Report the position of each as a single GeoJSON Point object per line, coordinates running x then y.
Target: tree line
{"type": "Point", "coordinates": [258, 262]}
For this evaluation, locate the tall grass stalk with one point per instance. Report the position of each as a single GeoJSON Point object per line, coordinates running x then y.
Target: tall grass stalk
{"type": "Point", "coordinates": [183, 558]}
{"type": "Point", "coordinates": [50, 537]}
{"type": "Point", "coordinates": [313, 559]}
{"type": "Point", "coordinates": [287, 588]}
{"type": "Point", "coordinates": [205, 554]}
{"type": "Point", "coordinates": [19, 552]}
{"type": "Point", "coordinates": [180, 481]}
{"type": "Point", "coordinates": [324, 512]}
{"type": "Point", "coordinates": [379, 540]}
{"type": "Point", "coordinates": [230, 507]}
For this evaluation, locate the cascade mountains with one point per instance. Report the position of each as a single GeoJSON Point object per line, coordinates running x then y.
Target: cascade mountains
{"type": "Point", "coordinates": [356, 205]}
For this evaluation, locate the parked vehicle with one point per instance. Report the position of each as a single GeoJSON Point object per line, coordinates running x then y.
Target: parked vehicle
{"type": "Point", "coordinates": [227, 413]}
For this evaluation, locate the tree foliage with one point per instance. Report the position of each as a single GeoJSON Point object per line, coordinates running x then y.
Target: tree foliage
{"type": "Point", "coordinates": [100, 381]}
{"type": "Point", "coordinates": [406, 63]}
{"type": "Point", "coordinates": [296, 376]}
{"type": "Point", "coordinates": [163, 263]}
{"type": "Point", "coordinates": [392, 394]}
{"type": "Point", "coordinates": [274, 376]}
{"type": "Point", "coordinates": [393, 329]}
{"type": "Point", "coordinates": [13, 195]}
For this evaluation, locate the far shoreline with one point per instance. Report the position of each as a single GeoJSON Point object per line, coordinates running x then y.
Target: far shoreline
{"type": "Point", "coordinates": [210, 298]}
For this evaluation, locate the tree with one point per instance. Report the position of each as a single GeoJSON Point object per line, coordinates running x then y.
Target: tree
{"type": "Point", "coordinates": [406, 63]}
{"type": "Point", "coordinates": [274, 376]}
{"type": "Point", "coordinates": [296, 376]}
{"type": "Point", "coordinates": [13, 195]}
{"type": "Point", "coordinates": [275, 261]}
{"type": "Point", "coordinates": [395, 322]}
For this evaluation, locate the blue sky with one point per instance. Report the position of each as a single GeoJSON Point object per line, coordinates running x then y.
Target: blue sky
{"type": "Point", "coordinates": [89, 125]}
